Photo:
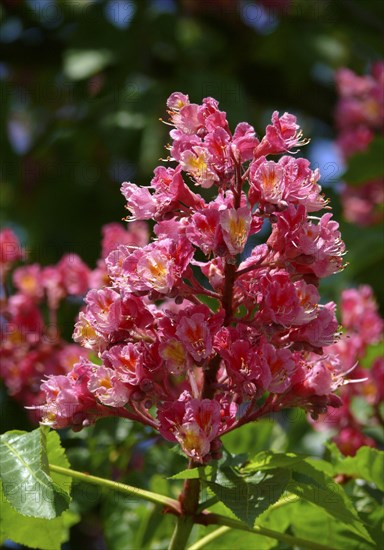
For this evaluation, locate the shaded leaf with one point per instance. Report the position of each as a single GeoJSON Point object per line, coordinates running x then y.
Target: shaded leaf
{"type": "Point", "coordinates": [320, 489]}
{"type": "Point", "coordinates": [313, 523]}
{"type": "Point", "coordinates": [248, 496]}
{"type": "Point", "coordinates": [367, 464]}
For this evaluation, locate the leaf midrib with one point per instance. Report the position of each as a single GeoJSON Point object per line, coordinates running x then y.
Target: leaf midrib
{"type": "Point", "coordinates": [27, 466]}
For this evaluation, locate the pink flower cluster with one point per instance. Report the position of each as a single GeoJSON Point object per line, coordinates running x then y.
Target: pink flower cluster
{"type": "Point", "coordinates": [201, 330]}
{"type": "Point", "coordinates": [359, 117]}
{"type": "Point", "coordinates": [363, 327]}
{"type": "Point", "coordinates": [31, 346]}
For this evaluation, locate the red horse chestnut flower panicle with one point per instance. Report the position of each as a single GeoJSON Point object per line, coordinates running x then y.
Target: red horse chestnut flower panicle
{"type": "Point", "coordinates": [359, 119]}
{"type": "Point", "coordinates": [363, 328]}
{"type": "Point", "coordinates": [31, 347]}
{"type": "Point", "coordinates": [196, 332]}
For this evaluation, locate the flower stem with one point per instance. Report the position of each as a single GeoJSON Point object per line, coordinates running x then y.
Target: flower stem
{"type": "Point", "coordinates": [189, 501]}
{"type": "Point", "coordinates": [120, 487]}
{"type": "Point", "coordinates": [292, 541]}
{"type": "Point", "coordinates": [181, 533]}
{"type": "Point", "coordinates": [209, 538]}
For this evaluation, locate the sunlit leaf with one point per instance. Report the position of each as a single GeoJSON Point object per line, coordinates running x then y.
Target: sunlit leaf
{"type": "Point", "coordinates": [25, 475]}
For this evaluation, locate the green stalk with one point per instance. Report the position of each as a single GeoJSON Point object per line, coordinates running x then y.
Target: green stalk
{"type": "Point", "coordinates": [181, 533]}
{"type": "Point", "coordinates": [216, 519]}
{"type": "Point", "coordinates": [209, 538]}
{"type": "Point", "coordinates": [189, 502]}
{"type": "Point", "coordinates": [120, 487]}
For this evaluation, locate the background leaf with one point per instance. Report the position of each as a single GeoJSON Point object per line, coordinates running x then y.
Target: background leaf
{"type": "Point", "coordinates": [318, 488]}
{"type": "Point", "coordinates": [367, 464]}
{"type": "Point", "coordinates": [366, 165]}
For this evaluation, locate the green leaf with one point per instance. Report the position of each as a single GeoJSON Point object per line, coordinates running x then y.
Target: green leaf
{"type": "Point", "coordinates": [264, 434]}
{"type": "Point", "coordinates": [367, 464]}
{"type": "Point", "coordinates": [56, 455]}
{"type": "Point", "coordinates": [122, 519]}
{"type": "Point", "coordinates": [315, 524]}
{"type": "Point", "coordinates": [267, 460]}
{"type": "Point", "coordinates": [368, 502]}
{"type": "Point", "coordinates": [44, 534]}
{"type": "Point", "coordinates": [25, 476]}
{"type": "Point", "coordinates": [321, 490]}
{"type": "Point", "coordinates": [192, 473]}
{"type": "Point", "coordinates": [238, 539]}
{"type": "Point", "coordinates": [212, 303]}
{"type": "Point", "coordinates": [373, 352]}
{"type": "Point", "coordinates": [366, 165]}
{"type": "Point", "coordinates": [248, 496]}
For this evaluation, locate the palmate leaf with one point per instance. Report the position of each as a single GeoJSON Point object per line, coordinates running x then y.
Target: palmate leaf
{"type": "Point", "coordinates": [320, 489]}
{"type": "Point", "coordinates": [315, 485]}
{"type": "Point", "coordinates": [266, 460]}
{"type": "Point", "coordinates": [248, 496]}
{"type": "Point", "coordinates": [27, 485]}
{"type": "Point", "coordinates": [314, 524]}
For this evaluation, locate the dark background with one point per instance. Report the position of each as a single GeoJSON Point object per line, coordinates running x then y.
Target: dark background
{"type": "Point", "coordinates": [84, 83]}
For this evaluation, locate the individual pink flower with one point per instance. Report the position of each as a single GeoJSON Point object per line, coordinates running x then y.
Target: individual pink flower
{"type": "Point", "coordinates": [279, 302]}
{"type": "Point", "coordinates": [281, 364]}
{"type": "Point", "coordinates": [104, 309]}
{"type": "Point", "coordinates": [68, 400]}
{"type": "Point", "coordinates": [140, 202]}
{"type": "Point", "coordinates": [27, 280]}
{"type": "Point", "coordinates": [114, 234]}
{"type": "Point", "coordinates": [104, 383]}
{"type": "Point", "coordinates": [193, 423]}
{"type": "Point", "coordinates": [158, 266]}
{"type": "Point", "coordinates": [244, 141]}
{"type": "Point", "coordinates": [175, 355]}
{"type": "Point", "coordinates": [235, 225]}
{"type": "Point", "coordinates": [281, 136]}
{"type": "Point", "coordinates": [360, 314]}
{"type": "Point", "coordinates": [249, 371]}
{"type": "Point", "coordinates": [321, 331]}
{"type": "Point", "coordinates": [10, 248]}
{"type": "Point", "coordinates": [197, 162]}
{"type": "Point", "coordinates": [204, 230]}
{"type": "Point", "coordinates": [75, 274]}
{"type": "Point", "coordinates": [127, 362]}
{"type": "Point", "coordinates": [194, 333]}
